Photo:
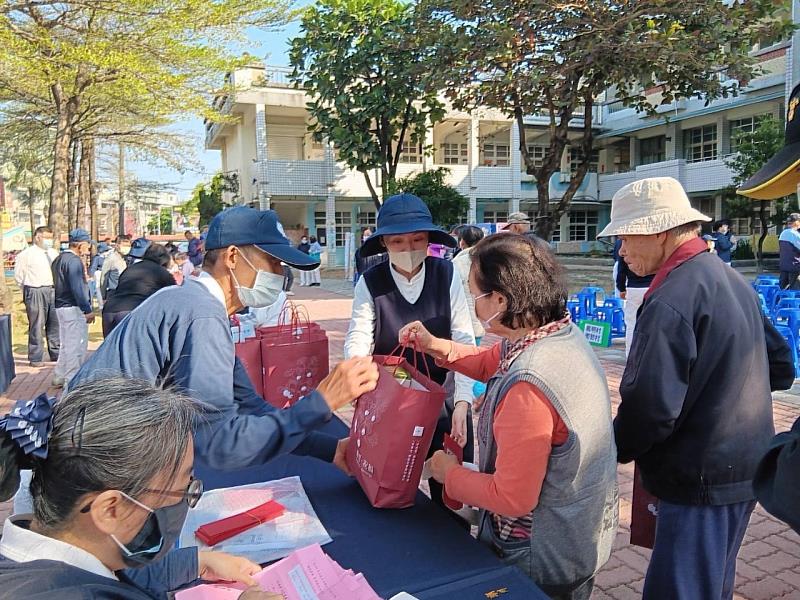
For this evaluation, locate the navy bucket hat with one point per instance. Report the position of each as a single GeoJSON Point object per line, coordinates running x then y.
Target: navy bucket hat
{"type": "Point", "coordinates": [244, 226]}
{"type": "Point", "coordinates": [404, 213]}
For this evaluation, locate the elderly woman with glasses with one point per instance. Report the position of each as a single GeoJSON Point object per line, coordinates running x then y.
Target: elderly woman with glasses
{"type": "Point", "coordinates": [112, 484]}
{"type": "Point", "coordinates": [546, 484]}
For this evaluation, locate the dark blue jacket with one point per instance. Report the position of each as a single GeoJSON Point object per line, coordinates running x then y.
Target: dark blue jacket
{"type": "Point", "coordinates": [194, 253]}
{"type": "Point", "coordinates": [723, 245]}
{"type": "Point", "coordinates": [48, 579]}
{"type": "Point", "coordinates": [69, 279]}
{"type": "Point", "coordinates": [181, 335]}
{"type": "Point", "coordinates": [696, 411]}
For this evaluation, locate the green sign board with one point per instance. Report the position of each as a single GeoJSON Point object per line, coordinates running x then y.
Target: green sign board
{"type": "Point", "coordinates": [597, 332]}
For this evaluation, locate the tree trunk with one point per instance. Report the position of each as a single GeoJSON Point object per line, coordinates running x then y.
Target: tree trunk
{"type": "Point", "coordinates": [83, 188]}
{"type": "Point", "coordinates": [121, 187]}
{"type": "Point", "coordinates": [94, 208]}
{"type": "Point", "coordinates": [73, 188]}
{"type": "Point", "coordinates": [66, 111]}
{"type": "Point", "coordinates": [762, 216]}
{"type": "Point", "coordinates": [544, 226]}
{"type": "Point", "coordinates": [6, 297]}
{"type": "Point", "coordinates": [31, 211]}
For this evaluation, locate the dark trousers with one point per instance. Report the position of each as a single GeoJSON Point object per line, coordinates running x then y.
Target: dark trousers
{"type": "Point", "coordinates": [42, 320]}
{"type": "Point", "coordinates": [288, 280]}
{"type": "Point", "coordinates": [788, 280]}
{"type": "Point", "coordinates": [695, 551]}
{"type": "Point", "coordinates": [111, 320]}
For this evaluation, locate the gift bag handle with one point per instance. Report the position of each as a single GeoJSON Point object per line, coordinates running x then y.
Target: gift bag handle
{"type": "Point", "coordinates": [298, 318]}
{"type": "Point", "coordinates": [399, 352]}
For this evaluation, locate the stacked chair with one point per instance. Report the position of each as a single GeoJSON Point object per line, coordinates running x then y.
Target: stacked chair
{"type": "Point", "coordinates": [782, 307]}
{"type": "Point", "coordinates": [592, 304]}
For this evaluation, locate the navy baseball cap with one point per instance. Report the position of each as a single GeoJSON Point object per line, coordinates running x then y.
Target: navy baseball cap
{"type": "Point", "coordinates": [79, 235]}
{"type": "Point", "coordinates": [138, 247]}
{"type": "Point", "coordinates": [244, 226]}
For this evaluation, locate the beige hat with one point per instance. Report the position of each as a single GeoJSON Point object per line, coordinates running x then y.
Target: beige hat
{"type": "Point", "coordinates": [650, 206]}
{"type": "Point", "coordinates": [517, 217]}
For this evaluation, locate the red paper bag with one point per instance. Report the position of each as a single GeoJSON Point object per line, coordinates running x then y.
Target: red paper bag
{"type": "Point", "coordinates": [249, 352]}
{"type": "Point", "coordinates": [391, 434]}
{"type": "Point", "coordinates": [293, 366]}
{"type": "Point", "coordinates": [644, 512]}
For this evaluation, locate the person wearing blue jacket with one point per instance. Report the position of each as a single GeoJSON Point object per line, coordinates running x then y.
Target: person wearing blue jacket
{"type": "Point", "coordinates": [181, 336]}
{"type": "Point", "coordinates": [73, 306]}
{"type": "Point", "coordinates": [723, 241]}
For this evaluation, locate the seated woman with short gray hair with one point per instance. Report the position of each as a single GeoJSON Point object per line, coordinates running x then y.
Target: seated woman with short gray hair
{"type": "Point", "coordinates": [112, 484]}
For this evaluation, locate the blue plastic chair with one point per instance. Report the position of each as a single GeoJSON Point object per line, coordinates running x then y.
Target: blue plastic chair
{"type": "Point", "coordinates": [789, 317]}
{"type": "Point", "coordinates": [767, 279]}
{"type": "Point", "coordinates": [790, 338]}
{"type": "Point", "coordinates": [574, 308]}
{"type": "Point", "coordinates": [769, 292]}
{"type": "Point", "coordinates": [615, 316]}
{"type": "Point", "coordinates": [589, 302]}
{"type": "Point", "coordinates": [614, 302]}
{"type": "Point", "coordinates": [780, 295]}
{"type": "Point", "coordinates": [787, 303]}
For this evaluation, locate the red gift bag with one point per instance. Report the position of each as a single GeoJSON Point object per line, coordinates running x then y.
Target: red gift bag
{"type": "Point", "coordinates": [391, 433]}
{"type": "Point", "coordinates": [249, 353]}
{"type": "Point", "coordinates": [644, 512]}
{"type": "Point", "coordinates": [294, 357]}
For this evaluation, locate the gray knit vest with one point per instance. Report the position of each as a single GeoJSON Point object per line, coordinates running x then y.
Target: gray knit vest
{"type": "Point", "coordinates": [575, 521]}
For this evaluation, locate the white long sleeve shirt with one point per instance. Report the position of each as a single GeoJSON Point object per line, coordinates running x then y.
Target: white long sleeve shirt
{"type": "Point", "coordinates": [360, 337]}
{"type": "Point", "coordinates": [33, 267]}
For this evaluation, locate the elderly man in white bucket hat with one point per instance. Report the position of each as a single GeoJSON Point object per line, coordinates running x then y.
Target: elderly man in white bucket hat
{"type": "Point", "coordinates": [696, 415]}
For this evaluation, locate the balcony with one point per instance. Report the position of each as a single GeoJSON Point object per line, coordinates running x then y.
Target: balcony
{"type": "Point", "coordinates": [223, 104]}
{"type": "Point", "coordinates": [696, 177]}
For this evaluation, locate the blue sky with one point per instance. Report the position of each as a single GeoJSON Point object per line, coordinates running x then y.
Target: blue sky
{"type": "Point", "coordinates": [272, 46]}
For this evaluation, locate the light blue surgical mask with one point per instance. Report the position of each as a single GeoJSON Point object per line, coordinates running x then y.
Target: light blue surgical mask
{"type": "Point", "coordinates": [266, 288]}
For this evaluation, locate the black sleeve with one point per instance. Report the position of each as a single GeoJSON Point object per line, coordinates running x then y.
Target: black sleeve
{"type": "Point", "coordinates": [777, 480]}
{"type": "Point", "coordinates": [779, 355]}
{"type": "Point", "coordinates": [622, 275]}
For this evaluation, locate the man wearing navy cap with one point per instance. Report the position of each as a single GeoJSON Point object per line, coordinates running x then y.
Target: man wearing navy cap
{"type": "Point", "coordinates": [181, 335]}
{"type": "Point", "coordinates": [411, 286]}
{"type": "Point", "coordinates": [73, 306]}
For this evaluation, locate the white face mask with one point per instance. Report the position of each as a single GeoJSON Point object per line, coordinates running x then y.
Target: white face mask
{"type": "Point", "coordinates": [487, 324]}
{"type": "Point", "coordinates": [47, 244]}
{"type": "Point", "coordinates": [265, 291]}
{"type": "Point", "coordinates": [408, 261]}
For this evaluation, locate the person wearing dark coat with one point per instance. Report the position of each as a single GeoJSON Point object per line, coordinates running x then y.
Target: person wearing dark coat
{"type": "Point", "coordinates": [695, 416]}
{"type": "Point", "coordinates": [136, 284]}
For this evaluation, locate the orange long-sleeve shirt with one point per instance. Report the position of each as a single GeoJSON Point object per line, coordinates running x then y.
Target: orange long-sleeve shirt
{"type": "Point", "coordinates": [525, 427]}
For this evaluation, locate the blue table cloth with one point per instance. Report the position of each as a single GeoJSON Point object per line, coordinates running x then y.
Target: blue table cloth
{"type": "Point", "coordinates": [421, 550]}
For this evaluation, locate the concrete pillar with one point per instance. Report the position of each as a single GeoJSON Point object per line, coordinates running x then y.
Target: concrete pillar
{"type": "Point", "coordinates": [672, 142]}
{"type": "Point", "coordinates": [636, 159]}
{"type": "Point", "coordinates": [429, 157]}
{"type": "Point", "coordinates": [261, 157]}
{"type": "Point", "coordinates": [722, 137]}
{"type": "Point", "coordinates": [516, 169]}
{"type": "Point", "coordinates": [330, 205]}
{"type": "Point", "coordinates": [473, 158]}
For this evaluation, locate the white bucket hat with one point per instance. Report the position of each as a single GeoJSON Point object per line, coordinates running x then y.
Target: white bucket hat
{"type": "Point", "coordinates": [650, 206]}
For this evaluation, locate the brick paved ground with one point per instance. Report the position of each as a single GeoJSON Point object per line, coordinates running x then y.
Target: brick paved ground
{"type": "Point", "coordinates": [769, 562]}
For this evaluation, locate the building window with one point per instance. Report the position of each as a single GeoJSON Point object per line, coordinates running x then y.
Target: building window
{"type": "Point", "coordinates": [555, 236]}
{"type": "Point", "coordinates": [496, 155]}
{"type": "Point", "coordinates": [455, 154]}
{"type": "Point", "coordinates": [495, 216]}
{"type": "Point", "coordinates": [741, 226]}
{"type": "Point", "coordinates": [367, 218]}
{"type": "Point", "coordinates": [700, 143]}
{"type": "Point", "coordinates": [411, 153]}
{"type": "Point", "coordinates": [582, 225]}
{"type": "Point", "coordinates": [575, 160]}
{"type": "Point", "coordinates": [740, 127]}
{"type": "Point", "coordinates": [539, 153]}
{"type": "Point", "coordinates": [343, 224]}
{"type": "Point", "coordinates": [653, 150]}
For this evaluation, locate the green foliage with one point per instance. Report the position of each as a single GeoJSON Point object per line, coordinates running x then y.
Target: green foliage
{"type": "Point", "coordinates": [207, 199]}
{"type": "Point", "coordinates": [446, 204]}
{"type": "Point", "coordinates": [369, 75]}
{"type": "Point", "coordinates": [161, 223]}
{"type": "Point", "coordinates": [554, 59]}
{"type": "Point", "coordinates": [743, 250]}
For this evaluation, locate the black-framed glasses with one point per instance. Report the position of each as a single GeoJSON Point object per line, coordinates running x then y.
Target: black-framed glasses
{"type": "Point", "coordinates": [192, 495]}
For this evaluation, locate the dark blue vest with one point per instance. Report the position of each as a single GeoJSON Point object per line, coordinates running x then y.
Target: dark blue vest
{"type": "Point", "coordinates": [392, 311]}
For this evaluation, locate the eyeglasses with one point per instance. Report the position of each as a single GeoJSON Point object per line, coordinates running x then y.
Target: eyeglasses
{"type": "Point", "coordinates": [192, 494]}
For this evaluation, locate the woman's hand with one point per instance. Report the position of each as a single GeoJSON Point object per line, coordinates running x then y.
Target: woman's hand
{"type": "Point", "coordinates": [440, 464]}
{"type": "Point", "coordinates": [416, 336]}
{"type": "Point", "coordinates": [218, 566]}
{"type": "Point", "coordinates": [459, 429]}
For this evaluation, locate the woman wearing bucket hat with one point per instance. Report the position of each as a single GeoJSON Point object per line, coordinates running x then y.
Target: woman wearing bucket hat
{"type": "Point", "coordinates": [413, 287]}
{"type": "Point", "coordinates": [688, 402]}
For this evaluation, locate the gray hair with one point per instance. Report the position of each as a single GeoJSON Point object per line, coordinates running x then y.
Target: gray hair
{"type": "Point", "coordinates": [110, 434]}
